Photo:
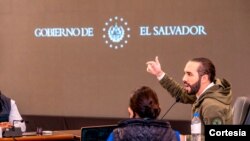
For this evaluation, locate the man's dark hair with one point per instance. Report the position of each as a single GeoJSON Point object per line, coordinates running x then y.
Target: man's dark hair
{"type": "Point", "coordinates": [145, 103]}
{"type": "Point", "coordinates": [206, 67]}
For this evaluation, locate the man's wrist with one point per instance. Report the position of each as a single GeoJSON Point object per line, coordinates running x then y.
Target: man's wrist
{"type": "Point", "coordinates": [160, 75]}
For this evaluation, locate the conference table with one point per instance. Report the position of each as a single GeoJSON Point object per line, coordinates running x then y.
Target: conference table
{"type": "Point", "coordinates": [63, 135]}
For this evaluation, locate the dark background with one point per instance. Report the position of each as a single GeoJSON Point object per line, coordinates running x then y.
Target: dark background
{"type": "Point", "coordinates": [82, 76]}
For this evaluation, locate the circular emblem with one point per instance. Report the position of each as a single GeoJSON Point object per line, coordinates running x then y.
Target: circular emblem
{"type": "Point", "coordinates": [116, 32]}
{"type": "Point", "coordinates": [217, 121]}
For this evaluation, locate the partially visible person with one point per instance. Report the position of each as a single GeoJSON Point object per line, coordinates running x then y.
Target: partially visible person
{"type": "Point", "coordinates": [143, 125]}
{"type": "Point", "coordinates": [210, 97]}
{"type": "Point", "coordinates": [9, 113]}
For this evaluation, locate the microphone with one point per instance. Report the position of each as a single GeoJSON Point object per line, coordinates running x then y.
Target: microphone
{"type": "Point", "coordinates": [177, 99]}
{"type": "Point", "coordinates": [13, 131]}
{"type": "Point", "coordinates": [14, 121]}
{"type": "Point", "coordinates": [21, 120]}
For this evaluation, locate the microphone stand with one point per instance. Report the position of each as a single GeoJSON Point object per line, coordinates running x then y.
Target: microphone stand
{"type": "Point", "coordinates": [177, 100]}
{"type": "Point", "coordinates": [13, 131]}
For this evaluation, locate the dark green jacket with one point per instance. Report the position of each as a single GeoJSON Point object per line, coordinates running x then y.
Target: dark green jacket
{"type": "Point", "coordinates": [214, 105]}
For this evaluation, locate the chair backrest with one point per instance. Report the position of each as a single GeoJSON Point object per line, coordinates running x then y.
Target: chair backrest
{"type": "Point", "coordinates": [241, 111]}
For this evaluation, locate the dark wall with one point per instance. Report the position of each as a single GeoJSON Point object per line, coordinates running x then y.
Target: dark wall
{"type": "Point", "coordinates": [75, 123]}
{"type": "Point", "coordinates": [93, 75]}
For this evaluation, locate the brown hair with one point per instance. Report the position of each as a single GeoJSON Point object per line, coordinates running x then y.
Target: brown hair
{"type": "Point", "coordinates": [144, 102]}
{"type": "Point", "coordinates": [207, 67]}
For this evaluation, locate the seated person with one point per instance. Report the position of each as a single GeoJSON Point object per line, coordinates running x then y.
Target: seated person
{"type": "Point", "coordinates": [9, 114]}
{"type": "Point", "coordinates": [142, 126]}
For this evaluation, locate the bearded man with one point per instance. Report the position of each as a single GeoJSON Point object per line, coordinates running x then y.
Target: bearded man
{"type": "Point", "coordinates": [210, 97]}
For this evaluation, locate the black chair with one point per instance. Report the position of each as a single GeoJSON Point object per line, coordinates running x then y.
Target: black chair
{"type": "Point", "coordinates": [241, 111]}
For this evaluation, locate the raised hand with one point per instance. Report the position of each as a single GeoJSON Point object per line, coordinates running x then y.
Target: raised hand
{"type": "Point", "coordinates": [154, 67]}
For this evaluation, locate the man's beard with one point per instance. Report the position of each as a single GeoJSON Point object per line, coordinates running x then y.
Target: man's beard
{"type": "Point", "coordinates": [195, 87]}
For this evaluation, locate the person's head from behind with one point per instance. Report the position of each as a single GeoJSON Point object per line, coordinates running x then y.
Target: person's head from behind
{"type": "Point", "coordinates": [144, 103]}
{"type": "Point", "coordinates": [198, 73]}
